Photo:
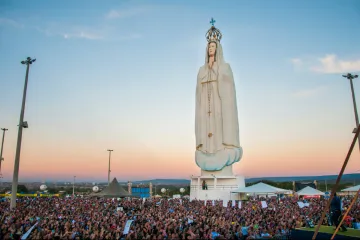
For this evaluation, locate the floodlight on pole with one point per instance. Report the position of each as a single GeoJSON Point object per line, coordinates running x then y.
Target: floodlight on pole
{"type": "Point", "coordinates": [21, 125]}
{"type": "Point", "coordinates": [351, 77]}
{"type": "Point", "coordinates": [109, 150]}
{"type": "Point", "coordinates": [74, 187]}
{"type": "Point", "coordinates": [2, 146]}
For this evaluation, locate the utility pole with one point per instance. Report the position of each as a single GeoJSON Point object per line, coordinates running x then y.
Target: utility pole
{"type": "Point", "coordinates": [351, 77]}
{"type": "Point", "coordinates": [325, 185]}
{"type": "Point", "coordinates": [110, 150]}
{"type": "Point", "coordinates": [74, 187]}
{"type": "Point", "coordinates": [21, 125]}
{"type": "Point", "coordinates": [2, 147]}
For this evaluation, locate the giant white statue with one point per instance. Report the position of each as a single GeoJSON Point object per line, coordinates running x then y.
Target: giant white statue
{"type": "Point", "coordinates": [216, 115]}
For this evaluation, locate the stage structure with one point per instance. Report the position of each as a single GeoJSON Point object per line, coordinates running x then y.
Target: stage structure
{"type": "Point", "coordinates": [216, 126]}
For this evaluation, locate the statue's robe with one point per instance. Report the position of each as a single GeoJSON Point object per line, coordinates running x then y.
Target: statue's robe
{"type": "Point", "coordinates": [216, 122]}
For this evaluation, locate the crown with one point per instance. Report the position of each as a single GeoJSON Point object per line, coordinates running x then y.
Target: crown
{"type": "Point", "coordinates": [213, 34]}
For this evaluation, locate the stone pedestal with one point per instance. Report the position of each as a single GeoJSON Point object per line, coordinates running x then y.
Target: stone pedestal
{"type": "Point", "coordinates": [219, 185]}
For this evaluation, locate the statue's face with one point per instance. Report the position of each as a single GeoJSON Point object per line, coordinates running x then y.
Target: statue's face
{"type": "Point", "coordinates": [212, 49]}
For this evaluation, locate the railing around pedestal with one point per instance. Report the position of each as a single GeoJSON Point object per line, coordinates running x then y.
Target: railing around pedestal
{"type": "Point", "coordinates": [212, 187]}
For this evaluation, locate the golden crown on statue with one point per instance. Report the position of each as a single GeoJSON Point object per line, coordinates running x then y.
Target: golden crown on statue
{"type": "Point", "coordinates": [213, 34]}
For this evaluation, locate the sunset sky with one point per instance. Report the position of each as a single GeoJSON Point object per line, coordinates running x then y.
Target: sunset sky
{"type": "Point", "coordinates": [122, 75]}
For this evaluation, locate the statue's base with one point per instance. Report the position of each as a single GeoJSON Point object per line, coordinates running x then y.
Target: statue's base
{"type": "Point", "coordinates": [218, 160]}
{"type": "Point", "coordinates": [219, 185]}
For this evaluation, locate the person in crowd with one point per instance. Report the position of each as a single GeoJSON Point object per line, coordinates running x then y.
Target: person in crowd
{"type": "Point", "coordinates": [101, 218]}
{"type": "Point", "coordinates": [204, 185]}
{"type": "Point", "coordinates": [335, 207]}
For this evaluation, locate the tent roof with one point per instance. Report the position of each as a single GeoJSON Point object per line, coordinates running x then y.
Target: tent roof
{"type": "Point", "coordinates": [113, 190]}
{"type": "Point", "coordinates": [260, 188]}
{"type": "Point", "coordinates": [351, 189]}
{"type": "Point", "coordinates": [309, 191]}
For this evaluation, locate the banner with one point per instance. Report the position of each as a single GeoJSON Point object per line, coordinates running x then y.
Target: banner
{"type": "Point", "coordinates": [127, 226]}
{"type": "Point", "coordinates": [25, 195]}
{"type": "Point", "coordinates": [49, 195]}
{"type": "Point", "coordinates": [23, 237]}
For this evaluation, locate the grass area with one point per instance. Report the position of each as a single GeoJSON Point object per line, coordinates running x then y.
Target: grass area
{"type": "Point", "coordinates": [331, 230]}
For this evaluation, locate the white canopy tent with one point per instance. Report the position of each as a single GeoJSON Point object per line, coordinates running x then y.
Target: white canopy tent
{"type": "Point", "coordinates": [261, 188]}
{"type": "Point", "coordinates": [351, 189]}
{"type": "Point", "coordinates": [309, 191]}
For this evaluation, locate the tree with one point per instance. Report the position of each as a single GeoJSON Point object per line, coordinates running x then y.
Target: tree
{"type": "Point", "coordinates": [22, 189]}
{"type": "Point", "coordinates": [283, 185]}
{"type": "Point", "coordinates": [51, 190]}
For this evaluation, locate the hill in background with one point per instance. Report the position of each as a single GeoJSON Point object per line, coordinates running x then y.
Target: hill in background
{"type": "Point", "coordinates": [329, 178]}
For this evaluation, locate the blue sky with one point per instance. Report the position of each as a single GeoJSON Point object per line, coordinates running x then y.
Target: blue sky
{"type": "Point", "coordinates": [122, 74]}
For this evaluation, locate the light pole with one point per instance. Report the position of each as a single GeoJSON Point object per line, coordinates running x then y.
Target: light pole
{"type": "Point", "coordinates": [22, 125]}
{"type": "Point", "coordinates": [326, 185]}
{"type": "Point", "coordinates": [351, 77]}
{"type": "Point", "coordinates": [2, 147]}
{"type": "Point", "coordinates": [74, 187]}
{"type": "Point", "coordinates": [354, 179]}
{"type": "Point", "coordinates": [110, 150]}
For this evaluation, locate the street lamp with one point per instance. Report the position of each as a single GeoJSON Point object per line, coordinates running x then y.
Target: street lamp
{"type": "Point", "coordinates": [182, 190]}
{"type": "Point", "coordinates": [351, 77]}
{"type": "Point", "coordinates": [74, 187]}
{"type": "Point", "coordinates": [2, 146]}
{"type": "Point", "coordinates": [21, 125]}
{"type": "Point", "coordinates": [110, 150]}
{"type": "Point", "coordinates": [163, 191]}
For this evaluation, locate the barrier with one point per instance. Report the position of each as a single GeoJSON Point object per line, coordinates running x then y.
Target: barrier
{"type": "Point", "coordinates": [31, 195]}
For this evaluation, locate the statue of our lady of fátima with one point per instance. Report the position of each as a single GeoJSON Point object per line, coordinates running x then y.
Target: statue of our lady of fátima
{"type": "Point", "coordinates": [216, 114]}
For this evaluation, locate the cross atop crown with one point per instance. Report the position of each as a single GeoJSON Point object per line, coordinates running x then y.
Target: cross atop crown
{"type": "Point", "coordinates": [213, 34]}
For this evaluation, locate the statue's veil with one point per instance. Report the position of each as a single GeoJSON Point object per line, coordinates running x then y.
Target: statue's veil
{"type": "Point", "coordinates": [219, 58]}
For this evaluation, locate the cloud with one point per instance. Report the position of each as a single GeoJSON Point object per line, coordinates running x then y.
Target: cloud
{"type": "Point", "coordinates": [81, 34]}
{"type": "Point", "coordinates": [125, 13]}
{"type": "Point", "coordinates": [130, 37]}
{"type": "Point", "coordinates": [103, 31]}
{"type": "Point", "coordinates": [330, 64]}
{"type": "Point", "coordinates": [71, 32]}
{"type": "Point", "coordinates": [305, 93]}
{"type": "Point", "coordinates": [297, 62]}
{"type": "Point", "coordinates": [10, 22]}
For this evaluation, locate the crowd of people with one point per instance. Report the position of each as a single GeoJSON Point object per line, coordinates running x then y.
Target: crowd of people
{"type": "Point", "coordinates": [100, 218]}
